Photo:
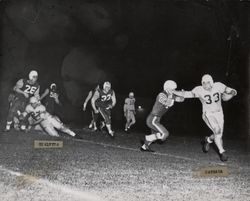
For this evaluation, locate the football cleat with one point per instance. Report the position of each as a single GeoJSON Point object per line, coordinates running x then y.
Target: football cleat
{"type": "Point", "coordinates": [112, 133]}
{"type": "Point", "coordinates": [206, 145]}
{"type": "Point", "coordinates": [223, 157]}
{"type": "Point", "coordinates": [146, 148]}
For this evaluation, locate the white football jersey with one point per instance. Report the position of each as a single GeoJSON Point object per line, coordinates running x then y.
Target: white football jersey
{"type": "Point", "coordinates": [211, 100]}
{"type": "Point", "coordinates": [37, 112]}
{"type": "Point", "coordinates": [130, 104]}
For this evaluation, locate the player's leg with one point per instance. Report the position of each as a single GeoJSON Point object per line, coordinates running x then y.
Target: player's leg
{"type": "Point", "coordinates": [215, 122]}
{"type": "Point", "coordinates": [159, 132]}
{"type": "Point", "coordinates": [14, 107]}
{"type": "Point", "coordinates": [132, 119]}
{"type": "Point", "coordinates": [24, 123]}
{"type": "Point", "coordinates": [106, 115]}
{"type": "Point", "coordinates": [49, 128]}
{"type": "Point", "coordinates": [127, 121]}
{"type": "Point", "coordinates": [220, 120]}
{"type": "Point", "coordinates": [56, 123]}
{"type": "Point", "coordinates": [209, 139]}
{"type": "Point", "coordinates": [51, 131]}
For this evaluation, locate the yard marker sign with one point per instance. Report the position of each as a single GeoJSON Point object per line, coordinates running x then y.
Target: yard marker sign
{"type": "Point", "coordinates": [212, 171]}
{"type": "Point", "coordinates": [40, 144]}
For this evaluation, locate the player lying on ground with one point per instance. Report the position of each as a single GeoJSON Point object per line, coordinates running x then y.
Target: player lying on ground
{"type": "Point", "coordinates": [210, 94]}
{"type": "Point", "coordinates": [50, 124]}
{"type": "Point", "coordinates": [163, 102]}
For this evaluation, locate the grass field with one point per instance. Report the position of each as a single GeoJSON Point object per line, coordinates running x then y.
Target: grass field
{"type": "Point", "coordinates": [105, 169]}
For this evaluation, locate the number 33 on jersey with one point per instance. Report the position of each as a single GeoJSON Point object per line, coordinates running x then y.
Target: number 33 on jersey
{"type": "Point", "coordinates": [211, 100]}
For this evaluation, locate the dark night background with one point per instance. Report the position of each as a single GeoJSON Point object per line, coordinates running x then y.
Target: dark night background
{"type": "Point", "coordinates": [135, 44]}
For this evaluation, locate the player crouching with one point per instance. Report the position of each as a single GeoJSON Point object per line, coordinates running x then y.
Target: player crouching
{"type": "Point", "coordinates": [50, 124]}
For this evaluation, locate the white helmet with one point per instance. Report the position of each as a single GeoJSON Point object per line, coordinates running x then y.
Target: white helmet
{"type": "Point", "coordinates": [207, 78]}
{"type": "Point", "coordinates": [33, 100]}
{"type": "Point", "coordinates": [33, 74]}
{"type": "Point", "coordinates": [106, 84]}
{"type": "Point", "coordinates": [169, 85]}
{"type": "Point", "coordinates": [131, 94]}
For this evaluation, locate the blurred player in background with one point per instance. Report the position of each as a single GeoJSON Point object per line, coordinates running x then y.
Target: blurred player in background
{"type": "Point", "coordinates": [102, 102]}
{"type": "Point", "coordinates": [210, 94]}
{"type": "Point", "coordinates": [163, 102]}
{"type": "Point", "coordinates": [92, 124]}
{"type": "Point", "coordinates": [23, 90]}
{"type": "Point", "coordinates": [50, 124]}
{"type": "Point", "coordinates": [129, 111]}
{"type": "Point", "coordinates": [50, 97]}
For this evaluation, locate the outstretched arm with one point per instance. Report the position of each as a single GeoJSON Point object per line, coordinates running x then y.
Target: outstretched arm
{"type": "Point", "coordinates": [45, 93]}
{"type": "Point", "coordinates": [93, 100]}
{"type": "Point", "coordinates": [87, 100]}
{"type": "Point", "coordinates": [184, 94]}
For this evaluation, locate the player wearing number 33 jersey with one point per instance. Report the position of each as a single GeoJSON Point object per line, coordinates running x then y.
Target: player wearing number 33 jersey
{"type": "Point", "coordinates": [210, 94]}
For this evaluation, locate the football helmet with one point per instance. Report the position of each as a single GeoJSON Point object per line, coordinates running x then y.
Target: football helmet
{"type": "Point", "coordinates": [207, 81]}
{"type": "Point", "coordinates": [33, 99]}
{"type": "Point", "coordinates": [131, 95]}
{"type": "Point", "coordinates": [107, 86]}
{"type": "Point", "coordinates": [169, 85]}
{"type": "Point", "coordinates": [53, 87]}
{"type": "Point", "coordinates": [33, 75]}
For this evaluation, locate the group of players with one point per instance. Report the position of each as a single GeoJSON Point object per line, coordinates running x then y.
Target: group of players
{"type": "Point", "coordinates": [26, 106]}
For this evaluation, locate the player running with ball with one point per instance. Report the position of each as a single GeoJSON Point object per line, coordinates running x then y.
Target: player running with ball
{"type": "Point", "coordinates": [210, 94]}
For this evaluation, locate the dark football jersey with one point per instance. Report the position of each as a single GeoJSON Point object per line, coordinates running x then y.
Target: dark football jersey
{"type": "Point", "coordinates": [162, 103]}
{"type": "Point", "coordinates": [28, 88]}
{"type": "Point", "coordinates": [105, 99]}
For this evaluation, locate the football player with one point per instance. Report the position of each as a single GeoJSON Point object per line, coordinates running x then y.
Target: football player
{"type": "Point", "coordinates": [49, 123]}
{"type": "Point", "coordinates": [129, 111]}
{"type": "Point", "coordinates": [51, 97]}
{"type": "Point", "coordinates": [210, 94]}
{"type": "Point", "coordinates": [23, 90]}
{"type": "Point", "coordinates": [102, 102]}
{"type": "Point", "coordinates": [92, 124]}
{"type": "Point", "coordinates": [163, 102]}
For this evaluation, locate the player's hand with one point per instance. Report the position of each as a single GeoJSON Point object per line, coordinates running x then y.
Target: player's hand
{"type": "Point", "coordinates": [96, 111]}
